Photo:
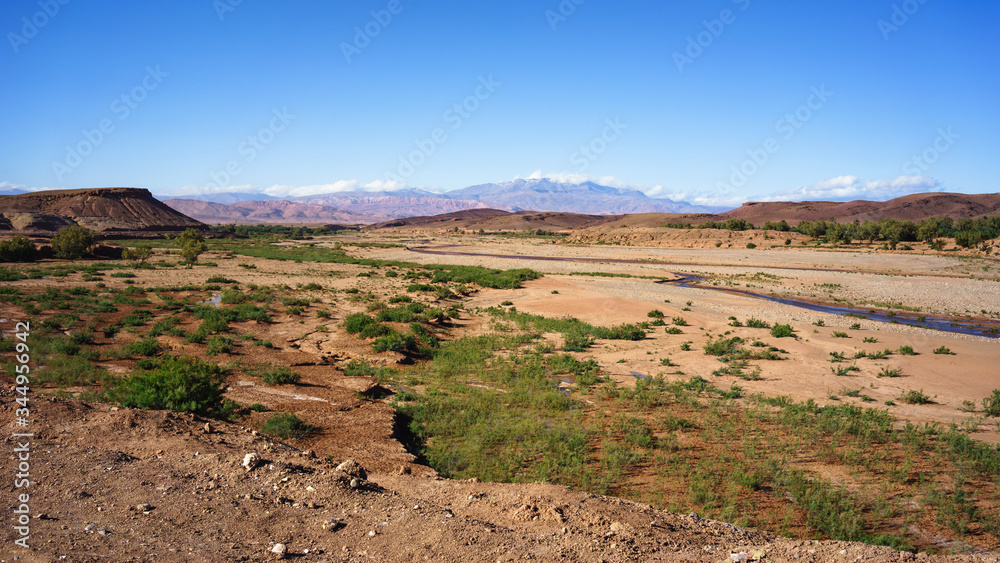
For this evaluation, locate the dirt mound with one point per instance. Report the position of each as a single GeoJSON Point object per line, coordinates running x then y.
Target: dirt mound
{"type": "Point", "coordinates": [128, 485]}
{"type": "Point", "coordinates": [100, 209]}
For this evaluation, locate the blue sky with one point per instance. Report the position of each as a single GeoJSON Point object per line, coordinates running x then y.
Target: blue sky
{"type": "Point", "coordinates": [715, 102]}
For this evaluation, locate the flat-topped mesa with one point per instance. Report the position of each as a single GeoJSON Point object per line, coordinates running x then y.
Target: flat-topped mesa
{"type": "Point", "coordinates": [100, 209]}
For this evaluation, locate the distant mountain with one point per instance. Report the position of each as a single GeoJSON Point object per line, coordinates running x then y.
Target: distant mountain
{"type": "Point", "coordinates": [234, 197]}
{"type": "Point", "coordinates": [540, 195]}
{"type": "Point", "coordinates": [275, 211]}
{"type": "Point", "coordinates": [14, 191]}
{"type": "Point", "coordinates": [543, 194]}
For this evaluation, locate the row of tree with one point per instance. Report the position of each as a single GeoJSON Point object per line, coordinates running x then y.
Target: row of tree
{"type": "Point", "coordinates": [74, 242]}
{"type": "Point", "coordinates": [967, 232]}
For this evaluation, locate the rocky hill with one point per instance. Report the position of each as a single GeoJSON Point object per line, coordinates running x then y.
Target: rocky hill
{"type": "Point", "coordinates": [915, 207]}
{"type": "Point", "coordinates": [100, 209]}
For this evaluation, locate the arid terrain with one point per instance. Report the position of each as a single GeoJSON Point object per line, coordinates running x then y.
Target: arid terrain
{"type": "Point", "coordinates": [599, 411]}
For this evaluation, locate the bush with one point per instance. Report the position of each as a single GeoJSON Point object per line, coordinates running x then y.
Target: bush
{"type": "Point", "coordinates": [279, 375]}
{"type": "Point", "coordinates": [137, 255]}
{"type": "Point", "coordinates": [286, 425]}
{"type": "Point", "coordinates": [782, 331]}
{"type": "Point", "coordinates": [73, 242]}
{"type": "Point", "coordinates": [944, 350]}
{"type": "Point", "coordinates": [915, 398]}
{"type": "Point", "coordinates": [357, 322]}
{"type": "Point", "coordinates": [145, 347]}
{"type": "Point", "coordinates": [751, 245]}
{"type": "Point", "coordinates": [991, 404]}
{"type": "Point", "coordinates": [655, 314]}
{"type": "Point", "coordinates": [679, 321]}
{"type": "Point", "coordinates": [906, 350]}
{"type": "Point", "coordinates": [395, 342]}
{"type": "Point", "coordinates": [179, 384]}
{"type": "Point", "coordinates": [17, 249]}
{"type": "Point", "coordinates": [219, 345]}
{"type": "Point", "coordinates": [757, 323]}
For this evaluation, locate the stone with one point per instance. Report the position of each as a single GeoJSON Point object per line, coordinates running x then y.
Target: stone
{"type": "Point", "coordinates": [353, 469]}
{"type": "Point", "coordinates": [144, 507]}
{"type": "Point", "coordinates": [279, 551]}
{"type": "Point", "coordinates": [251, 460]}
{"type": "Point", "coordinates": [208, 428]}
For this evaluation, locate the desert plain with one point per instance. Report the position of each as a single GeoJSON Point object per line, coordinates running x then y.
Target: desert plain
{"type": "Point", "coordinates": [587, 407]}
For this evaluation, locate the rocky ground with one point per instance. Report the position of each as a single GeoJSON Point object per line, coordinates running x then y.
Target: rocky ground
{"type": "Point", "coordinates": [122, 485]}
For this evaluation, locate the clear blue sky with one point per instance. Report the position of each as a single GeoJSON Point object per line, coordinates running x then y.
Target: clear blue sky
{"type": "Point", "coordinates": [201, 77]}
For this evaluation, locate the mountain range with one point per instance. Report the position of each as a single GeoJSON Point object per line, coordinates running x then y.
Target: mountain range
{"type": "Point", "coordinates": [535, 194]}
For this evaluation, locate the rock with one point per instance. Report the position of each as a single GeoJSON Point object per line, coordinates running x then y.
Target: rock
{"type": "Point", "coordinates": [617, 527]}
{"type": "Point", "coordinates": [208, 428]}
{"type": "Point", "coordinates": [279, 551]}
{"type": "Point", "coordinates": [355, 484]}
{"type": "Point", "coordinates": [738, 557]}
{"type": "Point", "coordinates": [404, 470]}
{"type": "Point", "coordinates": [144, 507]}
{"type": "Point", "coordinates": [251, 460]}
{"type": "Point", "coordinates": [353, 469]}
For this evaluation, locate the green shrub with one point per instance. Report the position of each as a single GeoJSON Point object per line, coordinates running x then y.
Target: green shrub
{"type": "Point", "coordinates": [906, 350]}
{"type": "Point", "coordinates": [887, 372]}
{"type": "Point", "coordinates": [751, 245]}
{"type": "Point", "coordinates": [177, 383]}
{"type": "Point", "coordinates": [286, 425]}
{"type": "Point", "coordinates": [73, 242]}
{"type": "Point", "coordinates": [145, 347]}
{"type": "Point", "coordinates": [219, 345]}
{"type": "Point", "coordinates": [838, 334]}
{"type": "Point", "coordinates": [17, 249]}
{"type": "Point", "coordinates": [220, 279]}
{"type": "Point", "coordinates": [991, 404]}
{"type": "Point", "coordinates": [913, 397]}
{"type": "Point", "coordinates": [138, 255]}
{"type": "Point", "coordinates": [782, 331]}
{"type": "Point", "coordinates": [395, 342]}
{"type": "Point", "coordinates": [679, 321]}
{"type": "Point", "coordinates": [757, 323]}
{"type": "Point", "coordinates": [357, 322]}
{"type": "Point", "coordinates": [278, 375]}
{"type": "Point", "coordinates": [655, 314]}
{"type": "Point", "coordinates": [944, 350]}
{"type": "Point", "coordinates": [673, 330]}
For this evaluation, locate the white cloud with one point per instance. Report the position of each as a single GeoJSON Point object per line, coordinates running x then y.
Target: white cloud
{"type": "Point", "coordinates": [578, 178]}
{"type": "Point", "coordinates": [847, 188]}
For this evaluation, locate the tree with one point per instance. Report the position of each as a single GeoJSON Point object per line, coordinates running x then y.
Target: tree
{"type": "Point", "coordinates": [73, 242]}
{"type": "Point", "coordinates": [137, 255]}
{"type": "Point", "coordinates": [17, 249]}
{"type": "Point", "coordinates": [192, 244]}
